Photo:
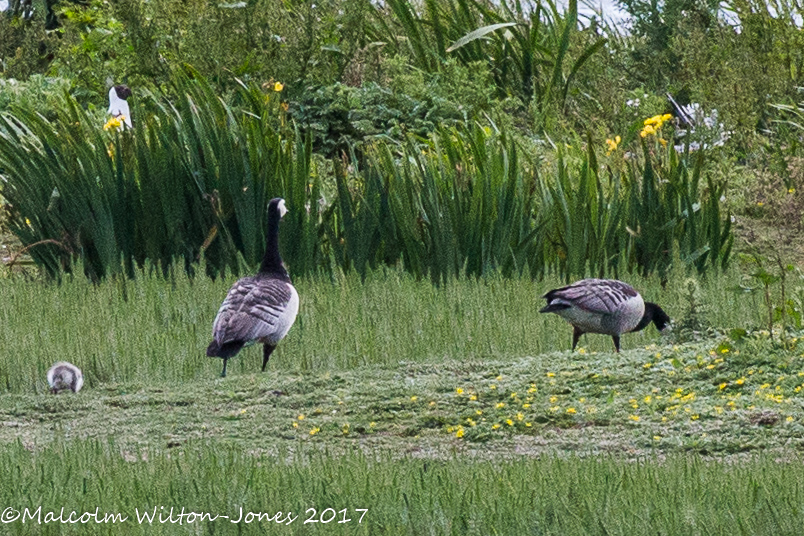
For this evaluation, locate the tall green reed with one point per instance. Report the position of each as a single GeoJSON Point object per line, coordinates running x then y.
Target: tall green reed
{"type": "Point", "coordinates": [193, 178]}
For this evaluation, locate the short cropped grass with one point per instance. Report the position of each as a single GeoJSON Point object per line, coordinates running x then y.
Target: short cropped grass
{"type": "Point", "coordinates": [452, 410]}
{"type": "Point", "coordinates": [551, 495]}
{"type": "Point", "coordinates": [153, 331]}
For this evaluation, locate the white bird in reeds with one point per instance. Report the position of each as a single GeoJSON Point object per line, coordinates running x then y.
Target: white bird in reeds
{"type": "Point", "coordinates": [118, 105]}
{"type": "Point", "coordinates": [605, 306]}
{"type": "Point", "coordinates": [260, 308]}
{"type": "Point", "coordinates": [63, 375]}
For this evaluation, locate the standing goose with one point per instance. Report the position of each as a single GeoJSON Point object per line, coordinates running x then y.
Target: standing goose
{"type": "Point", "coordinates": [261, 308]}
{"type": "Point", "coordinates": [604, 306]}
{"type": "Point", "coordinates": [63, 375]}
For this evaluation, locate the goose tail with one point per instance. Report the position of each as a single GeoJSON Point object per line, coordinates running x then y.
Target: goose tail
{"type": "Point", "coordinates": [226, 350]}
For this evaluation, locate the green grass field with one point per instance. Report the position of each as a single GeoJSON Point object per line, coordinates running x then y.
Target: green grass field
{"type": "Point", "coordinates": [454, 410]}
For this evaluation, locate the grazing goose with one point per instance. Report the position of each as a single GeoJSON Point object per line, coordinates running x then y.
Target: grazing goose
{"type": "Point", "coordinates": [63, 375]}
{"type": "Point", "coordinates": [118, 107]}
{"type": "Point", "coordinates": [260, 308]}
{"type": "Point", "coordinates": [604, 306]}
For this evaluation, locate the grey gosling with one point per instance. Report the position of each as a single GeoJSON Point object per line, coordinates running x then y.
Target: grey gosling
{"type": "Point", "coordinates": [260, 308]}
{"type": "Point", "coordinates": [63, 375]}
{"type": "Point", "coordinates": [604, 306]}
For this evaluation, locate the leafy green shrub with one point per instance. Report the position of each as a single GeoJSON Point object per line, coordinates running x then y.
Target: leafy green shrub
{"type": "Point", "coordinates": [25, 47]}
{"type": "Point", "coordinates": [405, 101]}
{"type": "Point", "coordinates": [141, 42]}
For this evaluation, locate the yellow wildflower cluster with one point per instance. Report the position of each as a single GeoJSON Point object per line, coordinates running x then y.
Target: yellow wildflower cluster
{"type": "Point", "coordinates": [652, 125]}
{"type": "Point", "coordinates": [612, 144]}
{"type": "Point", "coordinates": [114, 123]}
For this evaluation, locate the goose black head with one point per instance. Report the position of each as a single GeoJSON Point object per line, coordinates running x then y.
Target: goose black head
{"type": "Point", "coordinates": [276, 206]}
{"type": "Point", "coordinates": [653, 313]}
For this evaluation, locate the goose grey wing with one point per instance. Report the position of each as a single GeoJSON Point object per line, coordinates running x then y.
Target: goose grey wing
{"type": "Point", "coordinates": [603, 296]}
{"type": "Point", "coordinates": [252, 310]}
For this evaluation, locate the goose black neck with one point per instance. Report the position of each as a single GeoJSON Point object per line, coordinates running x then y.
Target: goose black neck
{"type": "Point", "coordinates": [655, 314]}
{"type": "Point", "coordinates": [271, 261]}
{"type": "Point", "coordinates": [650, 310]}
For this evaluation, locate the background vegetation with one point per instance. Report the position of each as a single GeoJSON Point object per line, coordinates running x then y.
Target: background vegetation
{"type": "Point", "coordinates": [474, 132]}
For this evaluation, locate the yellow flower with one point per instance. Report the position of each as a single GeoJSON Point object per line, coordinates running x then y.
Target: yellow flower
{"type": "Point", "coordinates": [649, 130]}
{"type": "Point", "coordinates": [495, 426]}
{"type": "Point", "coordinates": [315, 430]}
{"type": "Point", "coordinates": [279, 86]}
{"type": "Point", "coordinates": [571, 411]}
{"type": "Point", "coordinates": [459, 433]}
{"type": "Point", "coordinates": [114, 123]}
{"type": "Point", "coordinates": [414, 398]}
{"type": "Point", "coordinates": [459, 391]}
{"type": "Point", "coordinates": [789, 418]}
{"type": "Point", "coordinates": [500, 405]}
{"type": "Point", "coordinates": [300, 417]}
{"type": "Point", "coordinates": [519, 416]}
{"type": "Point", "coordinates": [551, 374]}
{"type": "Point", "coordinates": [612, 144]}
{"type": "Point", "coordinates": [295, 424]}
{"type": "Point", "coordinates": [722, 386]}
{"type": "Point", "coordinates": [657, 438]}
{"type": "Point", "coordinates": [634, 418]}
{"type": "Point", "coordinates": [509, 422]}
{"type": "Point", "coordinates": [473, 397]}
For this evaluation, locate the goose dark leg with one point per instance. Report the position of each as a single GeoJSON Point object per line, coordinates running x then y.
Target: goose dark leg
{"type": "Point", "coordinates": [616, 339]}
{"type": "Point", "coordinates": [576, 335]}
{"type": "Point", "coordinates": [266, 354]}
{"type": "Point", "coordinates": [225, 360]}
